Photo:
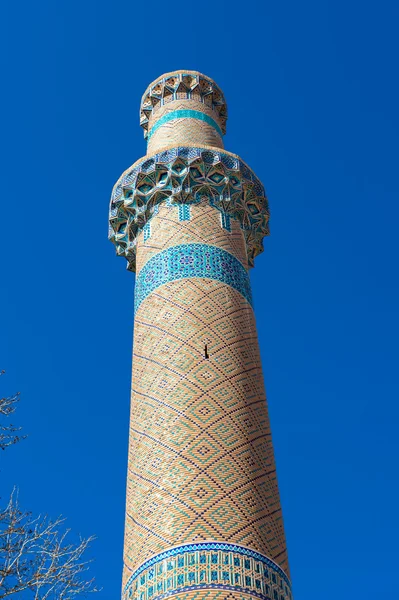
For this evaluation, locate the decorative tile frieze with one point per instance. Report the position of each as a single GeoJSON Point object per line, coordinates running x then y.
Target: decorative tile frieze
{"type": "Point", "coordinates": [184, 114]}
{"type": "Point", "coordinates": [187, 175]}
{"type": "Point", "coordinates": [191, 260]}
{"type": "Point", "coordinates": [208, 565]}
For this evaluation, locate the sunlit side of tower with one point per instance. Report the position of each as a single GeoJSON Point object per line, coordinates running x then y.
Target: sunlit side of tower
{"type": "Point", "coordinates": [203, 514]}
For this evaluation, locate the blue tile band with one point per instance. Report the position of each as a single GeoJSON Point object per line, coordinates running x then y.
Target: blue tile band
{"type": "Point", "coordinates": [184, 114]}
{"type": "Point", "coordinates": [208, 565]}
{"type": "Point", "coordinates": [191, 260]}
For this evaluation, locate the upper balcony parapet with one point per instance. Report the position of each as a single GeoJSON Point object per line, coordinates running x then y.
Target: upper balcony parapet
{"type": "Point", "coordinates": [182, 85]}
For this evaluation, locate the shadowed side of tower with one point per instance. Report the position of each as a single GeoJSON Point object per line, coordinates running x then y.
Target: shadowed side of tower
{"type": "Point", "coordinates": [203, 515]}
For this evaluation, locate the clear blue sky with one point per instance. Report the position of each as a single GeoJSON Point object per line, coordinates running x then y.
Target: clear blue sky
{"type": "Point", "coordinates": [312, 89]}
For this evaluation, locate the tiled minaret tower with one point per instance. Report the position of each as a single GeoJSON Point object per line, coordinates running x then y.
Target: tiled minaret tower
{"type": "Point", "coordinates": [203, 514]}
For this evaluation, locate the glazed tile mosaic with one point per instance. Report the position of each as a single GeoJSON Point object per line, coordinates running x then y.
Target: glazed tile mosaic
{"type": "Point", "coordinates": [186, 176]}
{"type": "Point", "coordinates": [201, 566]}
{"type": "Point", "coordinates": [184, 212]}
{"type": "Point", "coordinates": [203, 513]}
{"type": "Point", "coordinates": [202, 225]}
{"type": "Point", "coordinates": [191, 260]}
{"type": "Point", "coordinates": [185, 129]}
{"type": "Point", "coordinates": [184, 114]}
{"type": "Point", "coordinates": [182, 85]}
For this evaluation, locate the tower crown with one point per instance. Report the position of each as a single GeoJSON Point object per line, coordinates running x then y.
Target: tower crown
{"type": "Point", "coordinates": [184, 115]}
{"type": "Point", "coordinates": [182, 85]}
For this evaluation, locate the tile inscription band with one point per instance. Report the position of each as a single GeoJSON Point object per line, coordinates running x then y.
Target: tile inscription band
{"type": "Point", "coordinates": [191, 260]}
{"type": "Point", "coordinates": [208, 565]}
{"type": "Point", "coordinates": [184, 114]}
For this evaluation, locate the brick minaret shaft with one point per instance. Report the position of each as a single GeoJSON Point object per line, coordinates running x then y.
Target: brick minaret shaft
{"type": "Point", "coordinates": [203, 514]}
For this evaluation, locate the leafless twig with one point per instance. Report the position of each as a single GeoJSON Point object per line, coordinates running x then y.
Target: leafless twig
{"type": "Point", "coordinates": [37, 561]}
{"type": "Point", "coordinates": [8, 433]}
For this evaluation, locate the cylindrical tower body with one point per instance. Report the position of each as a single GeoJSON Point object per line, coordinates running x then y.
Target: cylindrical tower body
{"type": "Point", "coordinates": [203, 515]}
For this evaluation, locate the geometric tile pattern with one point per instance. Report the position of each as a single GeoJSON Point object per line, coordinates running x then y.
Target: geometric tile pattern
{"type": "Point", "coordinates": [208, 565]}
{"type": "Point", "coordinates": [187, 175]}
{"type": "Point", "coordinates": [184, 114]}
{"type": "Point", "coordinates": [186, 85]}
{"type": "Point", "coordinates": [183, 130]}
{"type": "Point", "coordinates": [147, 231]}
{"type": "Point", "coordinates": [201, 463]}
{"type": "Point", "coordinates": [203, 227]}
{"type": "Point", "coordinates": [191, 260]}
{"type": "Point", "coordinates": [184, 212]}
{"type": "Point", "coordinates": [226, 222]}
{"type": "Point", "coordinates": [203, 514]}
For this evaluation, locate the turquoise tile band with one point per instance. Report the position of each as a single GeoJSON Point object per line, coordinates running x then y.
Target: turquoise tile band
{"type": "Point", "coordinates": [186, 261]}
{"type": "Point", "coordinates": [184, 114]}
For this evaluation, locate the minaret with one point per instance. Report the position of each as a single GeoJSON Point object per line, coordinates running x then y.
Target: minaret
{"type": "Point", "coordinates": [203, 514]}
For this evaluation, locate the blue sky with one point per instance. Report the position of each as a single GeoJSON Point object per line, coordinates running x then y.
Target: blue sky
{"type": "Point", "coordinates": [312, 90]}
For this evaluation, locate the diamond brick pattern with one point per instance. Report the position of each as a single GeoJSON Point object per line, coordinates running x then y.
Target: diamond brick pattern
{"type": "Point", "coordinates": [201, 464]}
{"type": "Point", "coordinates": [203, 513]}
{"type": "Point", "coordinates": [183, 129]}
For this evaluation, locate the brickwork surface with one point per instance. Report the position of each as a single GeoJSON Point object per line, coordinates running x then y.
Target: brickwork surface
{"type": "Point", "coordinates": [203, 514]}
{"type": "Point", "coordinates": [201, 465]}
{"type": "Point", "coordinates": [183, 131]}
{"type": "Point", "coordinates": [204, 227]}
{"type": "Point", "coordinates": [182, 85]}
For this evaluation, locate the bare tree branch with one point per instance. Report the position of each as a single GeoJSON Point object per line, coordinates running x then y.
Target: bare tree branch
{"type": "Point", "coordinates": [36, 559]}
{"type": "Point", "coordinates": [37, 562]}
{"type": "Point", "coordinates": [8, 433]}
